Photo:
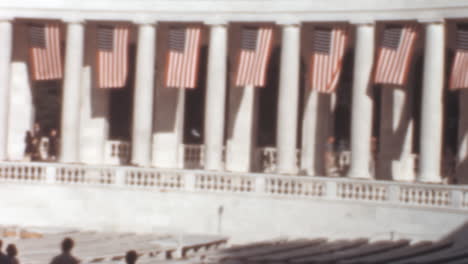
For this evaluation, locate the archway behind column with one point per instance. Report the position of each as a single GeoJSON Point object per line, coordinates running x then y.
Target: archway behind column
{"type": "Point", "coordinates": [342, 120]}
{"type": "Point", "coordinates": [451, 117]}
{"type": "Point", "coordinates": [268, 103]}
{"type": "Point", "coordinates": [47, 98]}
{"type": "Point", "coordinates": [195, 104]}
{"type": "Point", "coordinates": [121, 104]}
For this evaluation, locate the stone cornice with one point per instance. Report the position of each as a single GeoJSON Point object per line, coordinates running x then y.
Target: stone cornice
{"type": "Point", "coordinates": [212, 12]}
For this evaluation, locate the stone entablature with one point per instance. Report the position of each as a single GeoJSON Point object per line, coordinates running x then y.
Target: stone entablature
{"type": "Point", "coordinates": [242, 11]}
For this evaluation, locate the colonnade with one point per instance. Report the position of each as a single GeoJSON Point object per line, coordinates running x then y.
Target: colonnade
{"type": "Point", "coordinates": [239, 151]}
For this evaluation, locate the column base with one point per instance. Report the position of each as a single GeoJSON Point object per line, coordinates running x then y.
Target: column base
{"type": "Point", "coordinates": [430, 178]}
{"type": "Point", "coordinates": [213, 166]}
{"type": "Point", "coordinates": [360, 174]}
{"type": "Point", "coordinates": [288, 171]}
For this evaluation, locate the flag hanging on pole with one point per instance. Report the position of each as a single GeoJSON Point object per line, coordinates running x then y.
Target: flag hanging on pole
{"type": "Point", "coordinates": [45, 55]}
{"type": "Point", "coordinates": [256, 44]}
{"type": "Point", "coordinates": [328, 48]}
{"type": "Point", "coordinates": [182, 57]}
{"type": "Point", "coordinates": [112, 56]}
{"type": "Point", "coordinates": [459, 74]}
{"type": "Point", "coordinates": [395, 53]}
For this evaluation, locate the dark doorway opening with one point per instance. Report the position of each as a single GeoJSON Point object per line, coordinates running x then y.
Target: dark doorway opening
{"type": "Point", "coordinates": [268, 103]}
{"type": "Point", "coordinates": [47, 98]}
{"type": "Point", "coordinates": [121, 104]}
{"type": "Point", "coordinates": [195, 104]}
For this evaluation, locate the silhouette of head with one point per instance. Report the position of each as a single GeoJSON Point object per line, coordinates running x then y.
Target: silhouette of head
{"type": "Point", "coordinates": [53, 132]}
{"type": "Point", "coordinates": [11, 250]}
{"type": "Point", "coordinates": [131, 257]}
{"type": "Point", "coordinates": [67, 244]}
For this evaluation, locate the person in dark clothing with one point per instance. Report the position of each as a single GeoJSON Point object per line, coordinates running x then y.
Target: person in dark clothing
{"type": "Point", "coordinates": [53, 145]}
{"type": "Point", "coordinates": [66, 256]}
{"type": "Point", "coordinates": [131, 257]}
{"type": "Point", "coordinates": [3, 257]}
{"type": "Point", "coordinates": [36, 142]}
{"type": "Point", "coordinates": [12, 252]}
{"type": "Point", "coordinates": [35, 154]}
{"type": "Point", "coordinates": [28, 141]}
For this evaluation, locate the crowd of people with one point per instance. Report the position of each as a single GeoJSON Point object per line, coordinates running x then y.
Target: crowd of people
{"type": "Point", "coordinates": [66, 257]}
{"type": "Point", "coordinates": [41, 146]}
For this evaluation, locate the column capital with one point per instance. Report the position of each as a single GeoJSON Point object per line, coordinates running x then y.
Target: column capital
{"type": "Point", "coordinates": [216, 22]}
{"type": "Point", "coordinates": [74, 20]}
{"type": "Point", "coordinates": [288, 22]}
{"type": "Point", "coordinates": [362, 22]}
{"type": "Point", "coordinates": [6, 19]}
{"type": "Point", "coordinates": [145, 21]}
{"type": "Point", "coordinates": [431, 21]}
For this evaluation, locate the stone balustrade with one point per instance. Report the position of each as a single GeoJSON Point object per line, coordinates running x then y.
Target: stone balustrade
{"type": "Point", "coordinates": [117, 152]}
{"type": "Point", "coordinates": [339, 189]}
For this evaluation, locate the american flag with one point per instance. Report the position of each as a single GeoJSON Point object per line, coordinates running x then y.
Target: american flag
{"type": "Point", "coordinates": [112, 56]}
{"type": "Point", "coordinates": [46, 59]}
{"type": "Point", "coordinates": [182, 57]}
{"type": "Point", "coordinates": [459, 75]}
{"type": "Point", "coordinates": [328, 48]}
{"type": "Point", "coordinates": [256, 44]}
{"type": "Point", "coordinates": [395, 53]}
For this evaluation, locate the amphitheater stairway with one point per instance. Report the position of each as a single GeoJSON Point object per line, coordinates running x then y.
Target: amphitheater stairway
{"type": "Point", "coordinates": [105, 247]}
{"type": "Point", "coordinates": [452, 249]}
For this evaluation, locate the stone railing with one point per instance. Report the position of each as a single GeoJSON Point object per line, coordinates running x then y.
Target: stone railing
{"type": "Point", "coordinates": [194, 156]}
{"type": "Point", "coordinates": [267, 159]}
{"type": "Point", "coordinates": [117, 152]}
{"type": "Point", "coordinates": [338, 189]}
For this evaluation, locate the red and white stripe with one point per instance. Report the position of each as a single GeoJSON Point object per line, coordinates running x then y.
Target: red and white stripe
{"type": "Point", "coordinates": [459, 75]}
{"type": "Point", "coordinates": [326, 68]}
{"type": "Point", "coordinates": [252, 65]}
{"type": "Point", "coordinates": [182, 67]}
{"type": "Point", "coordinates": [113, 64]}
{"type": "Point", "coordinates": [393, 65]}
{"type": "Point", "coordinates": [46, 61]}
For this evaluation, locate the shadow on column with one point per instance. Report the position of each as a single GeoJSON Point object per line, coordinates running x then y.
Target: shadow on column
{"type": "Point", "coordinates": [392, 141]}
{"type": "Point", "coordinates": [323, 132]}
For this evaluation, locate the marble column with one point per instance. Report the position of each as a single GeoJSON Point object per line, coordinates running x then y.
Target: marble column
{"type": "Point", "coordinates": [462, 155]}
{"type": "Point", "coordinates": [288, 100]}
{"type": "Point", "coordinates": [168, 149]}
{"type": "Point", "coordinates": [215, 97]}
{"type": "Point", "coordinates": [432, 110]}
{"type": "Point", "coordinates": [143, 97]}
{"type": "Point", "coordinates": [317, 127]}
{"type": "Point", "coordinates": [71, 100]}
{"type": "Point", "coordinates": [396, 134]}
{"type": "Point", "coordinates": [6, 42]}
{"type": "Point", "coordinates": [95, 116]}
{"type": "Point", "coordinates": [362, 103]}
{"type": "Point", "coordinates": [241, 143]}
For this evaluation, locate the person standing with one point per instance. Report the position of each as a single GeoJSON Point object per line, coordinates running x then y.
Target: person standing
{"type": "Point", "coordinates": [36, 142]}
{"type": "Point", "coordinates": [37, 131]}
{"type": "Point", "coordinates": [53, 145]}
{"type": "Point", "coordinates": [28, 150]}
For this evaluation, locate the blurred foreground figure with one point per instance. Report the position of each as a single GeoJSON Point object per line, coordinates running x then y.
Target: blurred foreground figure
{"type": "Point", "coordinates": [3, 257]}
{"type": "Point", "coordinates": [131, 257]}
{"type": "Point", "coordinates": [66, 256]}
{"type": "Point", "coordinates": [12, 252]}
